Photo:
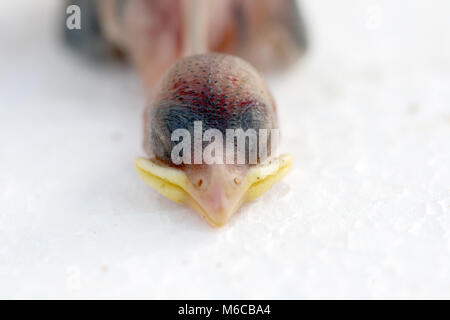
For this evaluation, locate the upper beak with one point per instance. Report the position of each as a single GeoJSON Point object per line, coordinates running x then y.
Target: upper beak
{"type": "Point", "coordinates": [221, 193]}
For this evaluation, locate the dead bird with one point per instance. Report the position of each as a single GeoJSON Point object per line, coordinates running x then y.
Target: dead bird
{"type": "Point", "coordinates": [191, 55]}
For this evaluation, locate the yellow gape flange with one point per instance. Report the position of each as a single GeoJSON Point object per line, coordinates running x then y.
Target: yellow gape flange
{"type": "Point", "coordinates": [262, 177]}
{"type": "Point", "coordinates": [169, 182]}
{"type": "Point", "coordinates": [174, 184]}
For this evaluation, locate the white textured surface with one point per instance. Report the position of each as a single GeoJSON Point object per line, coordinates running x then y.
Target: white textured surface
{"type": "Point", "coordinates": [365, 213]}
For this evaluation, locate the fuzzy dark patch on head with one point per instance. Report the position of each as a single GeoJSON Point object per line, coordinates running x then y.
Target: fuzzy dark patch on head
{"type": "Point", "coordinates": [171, 115]}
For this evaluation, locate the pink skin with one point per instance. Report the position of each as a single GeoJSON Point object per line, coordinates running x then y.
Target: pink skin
{"type": "Point", "coordinates": [156, 33]}
{"type": "Point", "coordinates": [155, 36]}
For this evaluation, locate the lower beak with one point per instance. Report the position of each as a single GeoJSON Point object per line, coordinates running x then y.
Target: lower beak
{"type": "Point", "coordinates": [216, 210]}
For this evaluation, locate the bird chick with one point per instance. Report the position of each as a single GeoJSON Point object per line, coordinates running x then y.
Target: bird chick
{"type": "Point", "coordinates": [221, 93]}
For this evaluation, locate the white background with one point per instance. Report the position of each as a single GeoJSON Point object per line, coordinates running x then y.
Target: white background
{"type": "Point", "coordinates": [365, 213]}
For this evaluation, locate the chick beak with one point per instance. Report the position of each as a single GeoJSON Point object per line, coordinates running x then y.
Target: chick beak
{"type": "Point", "coordinates": [217, 191]}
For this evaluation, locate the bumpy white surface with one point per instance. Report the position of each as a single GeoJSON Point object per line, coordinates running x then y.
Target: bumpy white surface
{"type": "Point", "coordinates": [365, 212]}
